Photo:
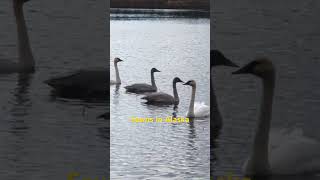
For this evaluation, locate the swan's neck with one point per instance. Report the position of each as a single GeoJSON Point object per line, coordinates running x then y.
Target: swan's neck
{"type": "Point", "coordinates": [26, 61]}
{"type": "Point", "coordinates": [216, 116]}
{"type": "Point", "coordinates": [153, 83]}
{"type": "Point", "coordinates": [191, 106]}
{"type": "Point", "coordinates": [175, 93]}
{"type": "Point", "coordinates": [259, 158]}
{"type": "Point", "coordinates": [118, 80]}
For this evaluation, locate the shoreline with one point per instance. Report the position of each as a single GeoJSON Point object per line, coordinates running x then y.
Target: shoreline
{"type": "Point", "coordinates": [148, 13]}
{"type": "Point", "coordinates": [161, 4]}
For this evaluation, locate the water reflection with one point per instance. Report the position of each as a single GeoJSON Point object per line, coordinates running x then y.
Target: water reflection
{"type": "Point", "coordinates": [21, 104]}
{"type": "Point", "coordinates": [21, 95]}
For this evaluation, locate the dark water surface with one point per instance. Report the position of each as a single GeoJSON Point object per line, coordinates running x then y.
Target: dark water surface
{"type": "Point", "coordinates": [289, 34]}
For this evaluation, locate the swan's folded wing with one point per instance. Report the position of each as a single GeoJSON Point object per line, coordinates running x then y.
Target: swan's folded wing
{"type": "Point", "coordinates": [158, 97]}
{"type": "Point", "coordinates": [201, 109]}
{"type": "Point", "coordinates": [141, 87]}
{"type": "Point", "coordinates": [299, 156]}
{"type": "Point", "coordinates": [279, 136]}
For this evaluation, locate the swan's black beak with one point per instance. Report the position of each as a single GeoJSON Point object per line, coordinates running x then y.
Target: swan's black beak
{"type": "Point", "coordinates": [247, 69]}
{"type": "Point", "coordinates": [120, 60]}
{"type": "Point", "coordinates": [157, 70]}
{"type": "Point", "coordinates": [187, 83]}
{"type": "Point", "coordinates": [218, 59]}
{"type": "Point", "coordinates": [228, 62]}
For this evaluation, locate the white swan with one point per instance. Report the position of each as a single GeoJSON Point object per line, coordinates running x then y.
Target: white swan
{"type": "Point", "coordinates": [26, 62]}
{"type": "Point", "coordinates": [160, 98]}
{"type": "Point", "coordinates": [142, 87]}
{"type": "Point", "coordinates": [216, 122]}
{"type": "Point", "coordinates": [196, 109]}
{"type": "Point", "coordinates": [293, 156]}
{"type": "Point", "coordinates": [118, 80]}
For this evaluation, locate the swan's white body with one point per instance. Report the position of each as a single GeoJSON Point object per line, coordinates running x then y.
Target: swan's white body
{"type": "Point", "coordinates": [295, 154]}
{"type": "Point", "coordinates": [26, 62]}
{"type": "Point", "coordinates": [196, 110]}
{"type": "Point", "coordinates": [118, 80]}
{"type": "Point", "coordinates": [292, 154]}
{"type": "Point", "coordinates": [286, 154]}
{"type": "Point", "coordinates": [200, 110]}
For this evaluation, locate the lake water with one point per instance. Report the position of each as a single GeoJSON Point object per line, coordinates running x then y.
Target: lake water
{"type": "Point", "coordinates": [177, 46]}
{"type": "Point", "coordinates": [43, 137]}
{"type": "Point", "coordinates": [289, 34]}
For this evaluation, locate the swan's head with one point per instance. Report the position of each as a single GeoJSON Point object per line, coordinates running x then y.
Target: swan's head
{"type": "Point", "coordinates": [154, 70]}
{"type": "Point", "coordinates": [218, 59]}
{"type": "Point", "coordinates": [176, 80]}
{"type": "Point", "coordinates": [116, 60]}
{"type": "Point", "coordinates": [261, 67]}
{"type": "Point", "coordinates": [191, 83]}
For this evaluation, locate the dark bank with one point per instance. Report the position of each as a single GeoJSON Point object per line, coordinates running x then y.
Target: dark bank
{"type": "Point", "coordinates": [161, 4]}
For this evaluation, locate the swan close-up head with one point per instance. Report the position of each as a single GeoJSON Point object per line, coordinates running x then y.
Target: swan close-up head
{"type": "Point", "coordinates": [258, 162]}
{"type": "Point", "coordinates": [262, 68]}
{"type": "Point", "coordinates": [154, 70]}
{"type": "Point", "coordinates": [176, 80]}
{"type": "Point", "coordinates": [116, 60]}
{"type": "Point", "coordinates": [218, 59]}
{"type": "Point", "coordinates": [191, 83]}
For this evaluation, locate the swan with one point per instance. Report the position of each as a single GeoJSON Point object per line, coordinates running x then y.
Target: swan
{"type": "Point", "coordinates": [82, 84]}
{"type": "Point", "coordinates": [196, 109]}
{"type": "Point", "coordinates": [293, 156]}
{"type": "Point", "coordinates": [118, 80]}
{"type": "Point", "coordinates": [217, 59]}
{"type": "Point", "coordinates": [26, 63]}
{"type": "Point", "coordinates": [163, 98]}
{"type": "Point", "coordinates": [142, 87]}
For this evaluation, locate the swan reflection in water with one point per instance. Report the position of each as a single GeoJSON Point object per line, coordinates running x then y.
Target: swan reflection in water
{"type": "Point", "coordinates": [19, 128]}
